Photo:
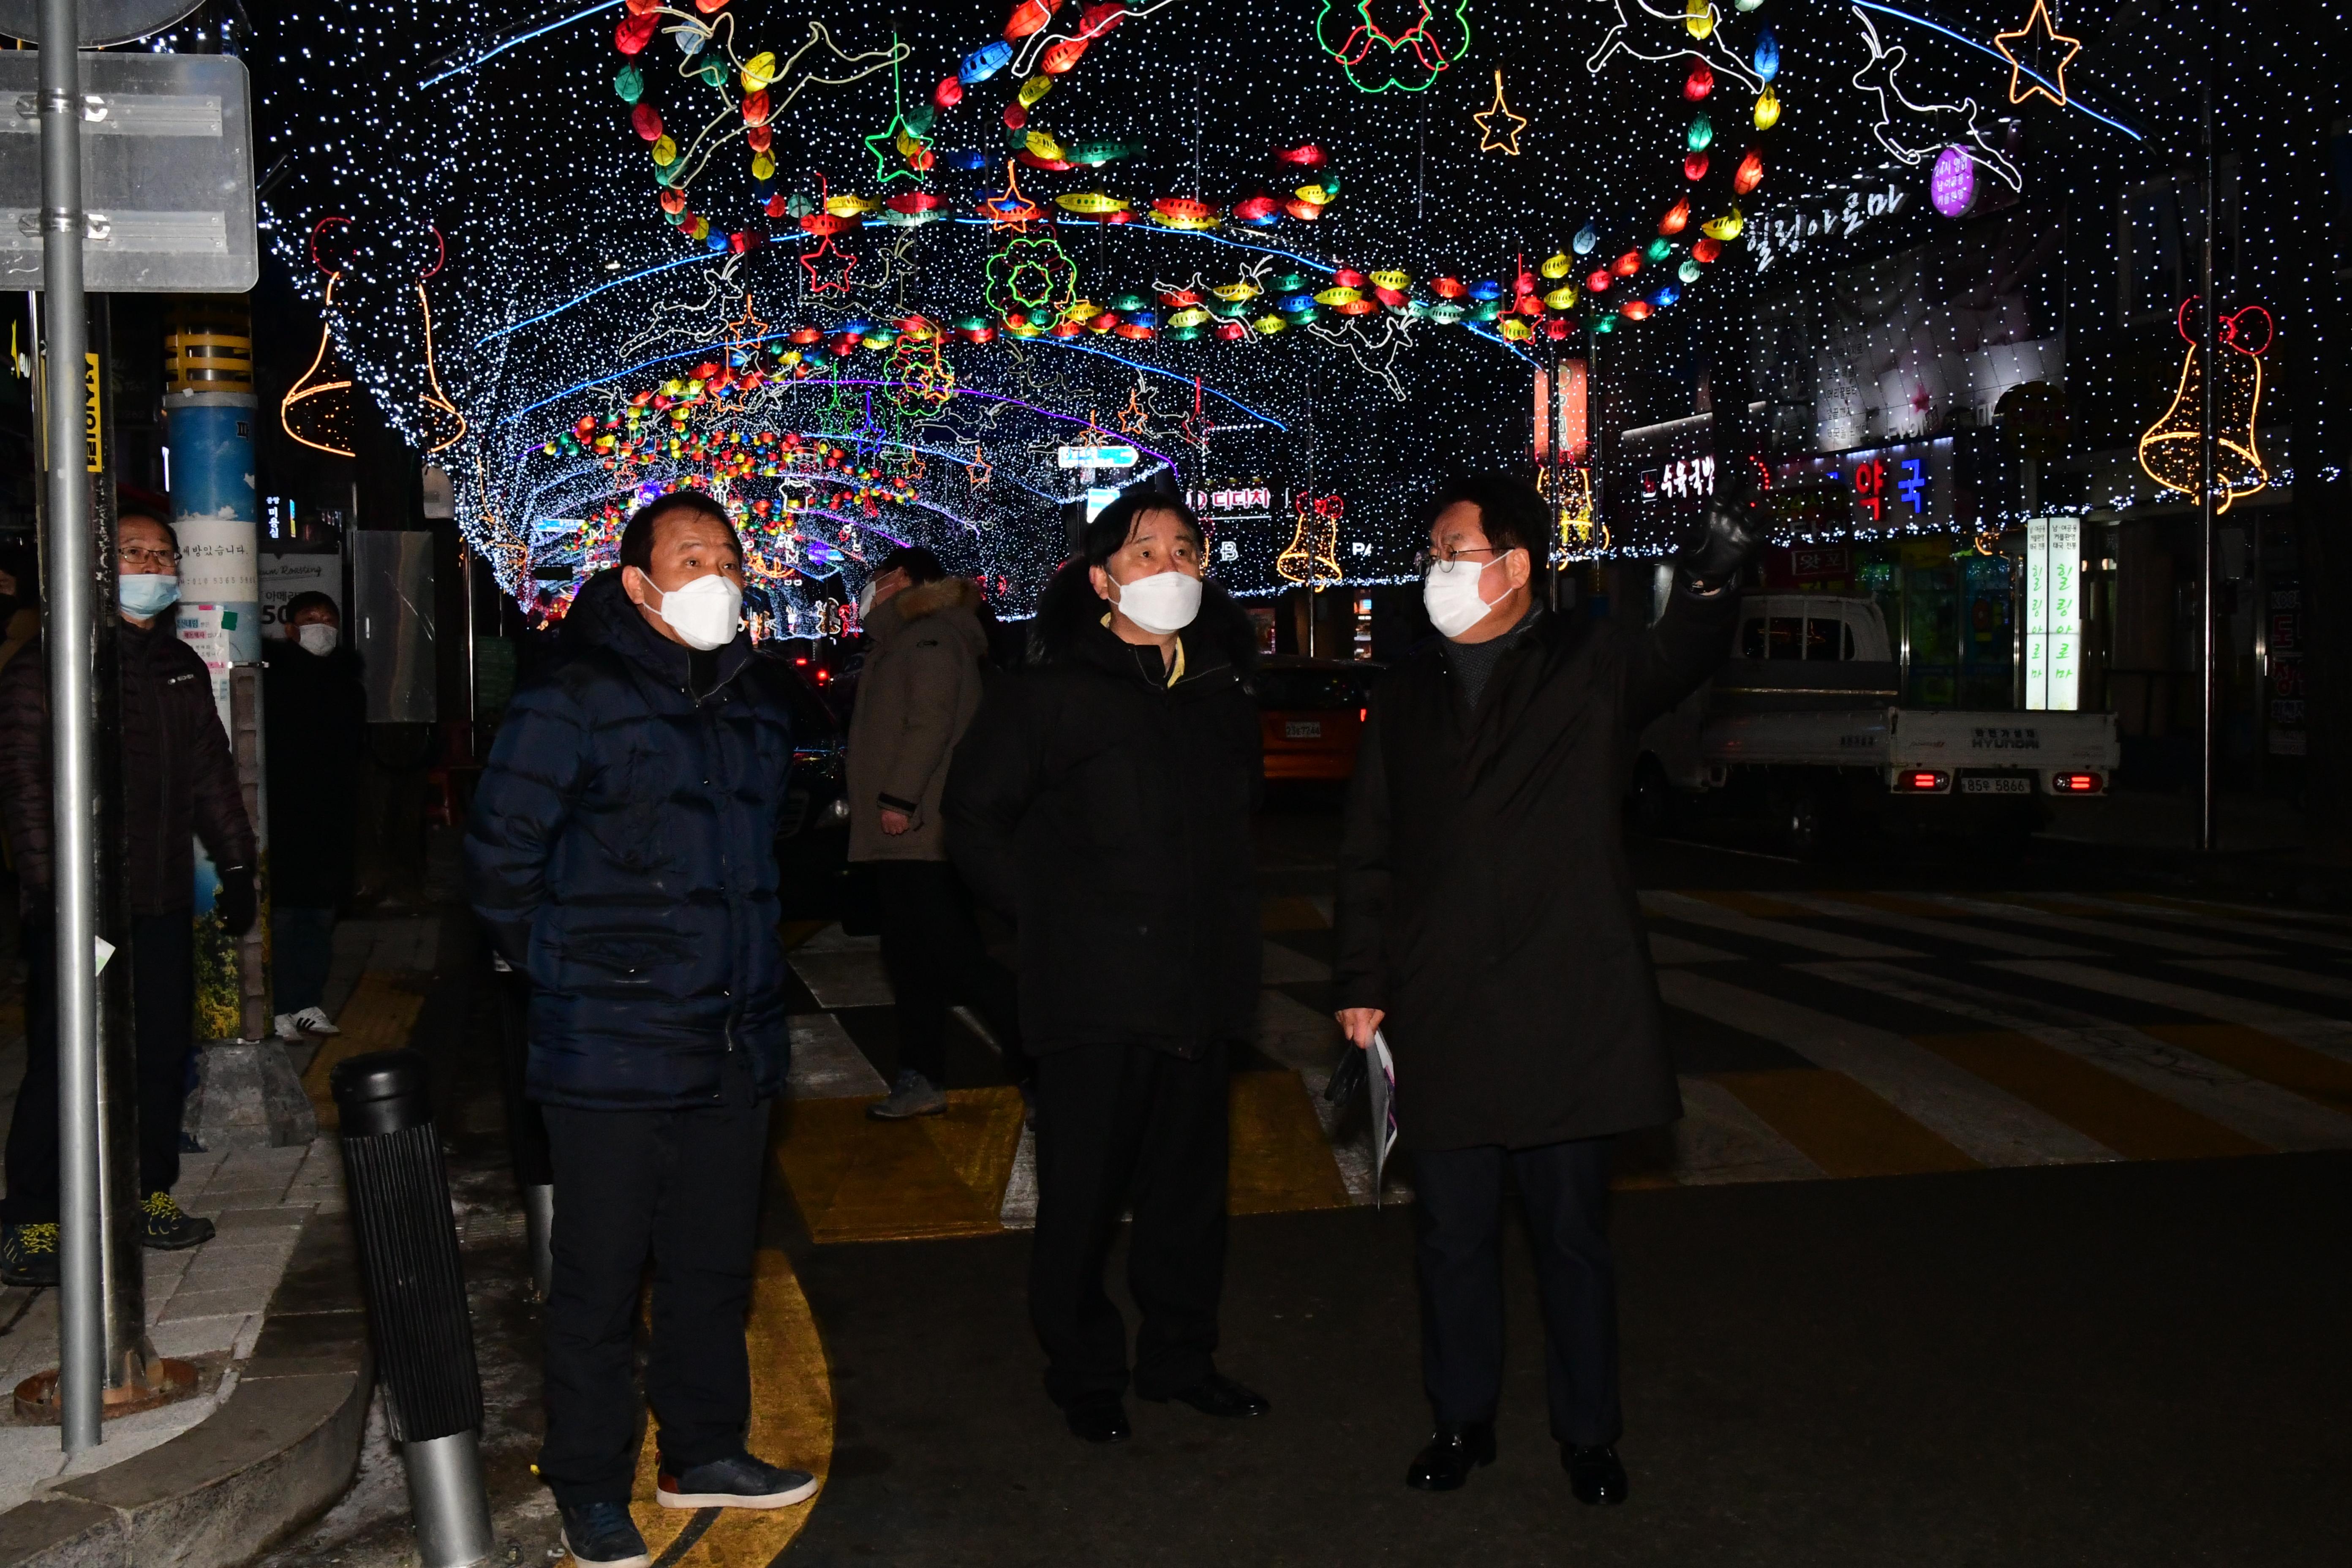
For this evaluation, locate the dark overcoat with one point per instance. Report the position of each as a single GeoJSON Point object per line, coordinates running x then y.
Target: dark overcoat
{"type": "Point", "coordinates": [1483, 895]}
{"type": "Point", "coordinates": [1109, 812]}
{"type": "Point", "coordinates": [622, 852]}
{"type": "Point", "coordinates": [314, 709]}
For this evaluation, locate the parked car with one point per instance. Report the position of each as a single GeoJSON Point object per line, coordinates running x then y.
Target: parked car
{"type": "Point", "coordinates": [1310, 715]}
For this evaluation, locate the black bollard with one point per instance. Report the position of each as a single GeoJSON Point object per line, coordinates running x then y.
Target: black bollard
{"type": "Point", "coordinates": [416, 1299]}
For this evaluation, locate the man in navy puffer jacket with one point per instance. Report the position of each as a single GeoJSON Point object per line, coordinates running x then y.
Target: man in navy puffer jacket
{"type": "Point", "coordinates": [620, 854]}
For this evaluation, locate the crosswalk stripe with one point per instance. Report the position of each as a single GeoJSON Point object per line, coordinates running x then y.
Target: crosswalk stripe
{"type": "Point", "coordinates": [1697, 911]}
{"type": "Point", "coordinates": [2271, 931]}
{"type": "Point", "coordinates": [2132, 1120]}
{"type": "Point", "coordinates": [2330, 1034]}
{"type": "Point", "coordinates": [2317, 1076]}
{"type": "Point", "coordinates": [1668, 949]}
{"type": "Point", "coordinates": [1281, 965]}
{"type": "Point", "coordinates": [826, 1063]}
{"type": "Point", "coordinates": [1988, 1124]}
{"type": "Point", "coordinates": [1841, 1126]}
{"type": "Point", "coordinates": [1946, 927]}
{"type": "Point", "coordinates": [841, 970]}
{"type": "Point", "coordinates": [1762, 906]}
{"type": "Point", "coordinates": [1281, 1161]}
{"type": "Point", "coordinates": [2262, 1114]}
{"type": "Point", "coordinates": [2297, 917]}
{"type": "Point", "coordinates": [2138, 936]}
{"type": "Point", "coordinates": [2277, 975]}
{"type": "Point", "coordinates": [1721, 1140]}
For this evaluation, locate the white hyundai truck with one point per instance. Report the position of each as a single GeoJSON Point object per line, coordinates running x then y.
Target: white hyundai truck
{"type": "Point", "coordinates": [1803, 726]}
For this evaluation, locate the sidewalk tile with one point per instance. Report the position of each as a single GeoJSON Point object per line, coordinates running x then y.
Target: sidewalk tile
{"type": "Point", "coordinates": [187, 1304]}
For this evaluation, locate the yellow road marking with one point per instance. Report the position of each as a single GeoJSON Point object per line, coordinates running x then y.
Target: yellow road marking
{"type": "Point", "coordinates": [380, 1017]}
{"type": "Point", "coordinates": [1895, 904]}
{"type": "Point", "coordinates": [1286, 914]}
{"type": "Point", "coordinates": [1760, 906]}
{"type": "Point", "coordinates": [855, 1179]}
{"type": "Point", "coordinates": [2135, 1122]}
{"type": "Point", "coordinates": [792, 1425]}
{"type": "Point", "coordinates": [1281, 1162]}
{"type": "Point", "coordinates": [1840, 1125]}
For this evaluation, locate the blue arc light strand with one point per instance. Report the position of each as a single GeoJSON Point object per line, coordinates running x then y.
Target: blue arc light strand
{"type": "Point", "coordinates": [2071, 101]}
{"type": "Point", "coordinates": [591, 293]}
{"type": "Point", "coordinates": [522, 37]}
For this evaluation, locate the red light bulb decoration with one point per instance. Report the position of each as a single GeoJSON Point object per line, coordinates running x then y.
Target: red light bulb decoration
{"type": "Point", "coordinates": [1700, 82]}
{"type": "Point", "coordinates": [1750, 173]}
{"type": "Point", "coordinates": [1694, 166]}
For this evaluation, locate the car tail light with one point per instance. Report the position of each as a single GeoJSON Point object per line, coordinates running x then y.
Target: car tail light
{"type": "Point", "coordinates": [802, 660]}
{"type": "Point", "coordinates": [1921, 781]}
{"type": "Point", "coordinates": [1362, 714]}
{"type": "Point", "coordinates": [2074, 784]}
{"type": "Point", "coordinates": [823, 675]}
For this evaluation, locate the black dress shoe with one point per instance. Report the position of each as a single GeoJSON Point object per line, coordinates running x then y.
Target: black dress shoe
{"type": "Point", "coordinates": [1101, 1418]}
{"type": "Point", "coordinates": [1215, 1395]}
{"type": "Point", "coordinates": [1595, 1473]}
{"type": "Point", "coordinates": [1447, 1461]}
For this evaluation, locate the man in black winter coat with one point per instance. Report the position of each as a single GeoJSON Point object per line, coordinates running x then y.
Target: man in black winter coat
{"type": "Point", "coordinates": [179, 785]}
{"type": "Point", "coordinates": [1488, 930]}
{"type": "Point", "coordinates": [620, 856]}
{"type": "Point", "coordinates": [1103, 800]}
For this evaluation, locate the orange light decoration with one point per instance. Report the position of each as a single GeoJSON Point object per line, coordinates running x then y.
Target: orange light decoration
{"type": "Point", "coordinates": [1313, 554]}
{"type": "Point", "coordinates": [1499, 128]}
{"type": "Point", "coordinates": [1677, 218]}
{"type": "Point", "coordinates": [441, 414]}
{"type": "Point", "coordinates": [2168, 449]}
{"type": "Point", "coordinates": [1750, 174]}
{"type": "Point", "coordinates": [1627, 265]}
{"type": "Point", "coordinates": [2037, 22]}
{"type": "Point", "coordinates": [319, 400]}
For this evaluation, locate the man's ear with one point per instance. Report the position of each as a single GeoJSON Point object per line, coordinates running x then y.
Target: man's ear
{"type": "Point", "coordinates": [1521, 567]}
{"type": "Point", "coordinates": [1101, 581]}
{"type": "Point", "coordinates": [635, 583]}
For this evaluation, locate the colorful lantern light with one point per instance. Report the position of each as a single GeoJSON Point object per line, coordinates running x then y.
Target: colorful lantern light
{"type": "Point", "coordinates": [1750, 173]}
{"type": "Point", "coordinates": [1768, 110]}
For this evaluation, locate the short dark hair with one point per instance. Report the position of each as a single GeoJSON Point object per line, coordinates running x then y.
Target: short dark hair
{"type": "Point", "coordinates": [919, 564]}
{"type": "Point", "coordinates": [1107, 535]}
{"type": "Point", "coordinates": [1512, 514]}
{"type": "Point", "coordinates": [637, 535]}
{"type": "Point", "coordinates": [309, 599]}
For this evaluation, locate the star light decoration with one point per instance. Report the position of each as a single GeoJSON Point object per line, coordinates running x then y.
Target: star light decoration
{"type": "Point", "coordinates": [1499, 128]}
{"type": "Point", "coordinates": [2037, 24]}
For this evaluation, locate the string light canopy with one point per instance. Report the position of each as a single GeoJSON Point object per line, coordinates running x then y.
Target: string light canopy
{"type": "Point", "coordinates": [871, 273]}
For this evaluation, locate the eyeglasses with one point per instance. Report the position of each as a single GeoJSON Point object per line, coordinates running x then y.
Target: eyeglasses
{"type": "Point", "coordinates": [1428, 558]}
{"type": "Point", "coordinates": [140, 555]}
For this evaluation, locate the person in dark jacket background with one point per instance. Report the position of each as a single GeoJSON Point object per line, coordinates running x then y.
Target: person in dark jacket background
{"type": "Point", "coordinates": [1487, 926]}
{"type": "Point", "coordinates": [1102, 799]}
{"type": "Point", "coordinates": [314, 710]}
{"type": "Point", "coordinates": [179, 785]}
{"type": "Point", "coordinates": [620, 854]}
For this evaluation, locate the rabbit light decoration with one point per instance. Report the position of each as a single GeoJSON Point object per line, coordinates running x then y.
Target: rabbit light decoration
{"type": "Point", "coordinates": [2168, 451]}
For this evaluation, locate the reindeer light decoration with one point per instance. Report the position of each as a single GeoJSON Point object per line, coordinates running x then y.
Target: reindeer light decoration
{"type": "Point", "coordinates": [1669, 32]}
{"type": "Point", "coordinates": [1919, 133]}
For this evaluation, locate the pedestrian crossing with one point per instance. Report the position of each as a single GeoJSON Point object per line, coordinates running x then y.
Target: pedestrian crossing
{"type": "Point", "coordinates": [1816, 1035]}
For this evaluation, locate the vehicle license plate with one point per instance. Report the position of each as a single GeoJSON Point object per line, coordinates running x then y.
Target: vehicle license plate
{"type": "Point", "coordinates": [1995, 787]}
{"type": "Point", "coordinates": [1303, 730]}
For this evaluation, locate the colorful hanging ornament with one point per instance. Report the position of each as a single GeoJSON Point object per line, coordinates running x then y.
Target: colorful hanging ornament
{"type": "Point", "coordinates": [1698, 18]}
{"type": "Point", "coordinates": [1587, 240]}
{"type": "Point", "coordinates": [1694, 166]}
{"type": "Point", "coordinates": [1727, 229]}
{"type": "Point", "coordinates": [1700, 82]}
{"type": "Point", "coordinates": [1701, 134]}
{"type": "Point", "coordinates": [1750, 174]}
{"type": "Point", "coordinates": [1767, 56]}
{"type": "Point", "coordinates": [1768, 110]}
{"type": "Point", "coordinates": [1677, 218]}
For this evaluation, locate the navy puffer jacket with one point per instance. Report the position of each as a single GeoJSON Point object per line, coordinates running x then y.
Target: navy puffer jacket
{"type": "Point", "coordinates": [621, 852]}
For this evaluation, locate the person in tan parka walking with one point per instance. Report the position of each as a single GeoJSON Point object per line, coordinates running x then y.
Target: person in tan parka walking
{"type": "Point", "coordinates": [921, 685]}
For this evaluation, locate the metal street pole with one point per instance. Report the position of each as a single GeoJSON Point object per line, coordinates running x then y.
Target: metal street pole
{"type": "Point", "coordinates": [81, 1324]}
{"type": "Point", "coordinates": [2207, 834]}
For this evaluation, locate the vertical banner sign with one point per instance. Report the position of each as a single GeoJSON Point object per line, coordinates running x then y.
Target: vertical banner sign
{"type": "Point", "coordinates": [213, 509]}
{"type": "Point", "coordinates": [1543, 417]}
{"type": "Point", "coordinates": [93, 420]}
{"type": "Point", "coordinates": [2054, 613]}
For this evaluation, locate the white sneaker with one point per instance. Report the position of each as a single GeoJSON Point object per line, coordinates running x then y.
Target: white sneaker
{"type": "Point", "coordinates": [289, 1030]}
{"type": "Point", "coordinates": [316, 1021]}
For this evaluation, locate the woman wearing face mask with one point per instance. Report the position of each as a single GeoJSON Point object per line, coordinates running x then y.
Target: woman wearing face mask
{"type": "Point", "coordinates": [315, 710]}
{"type": "Point", "coordinates": [1103, 798]}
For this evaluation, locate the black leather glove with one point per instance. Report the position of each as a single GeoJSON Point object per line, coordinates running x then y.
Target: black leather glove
{"type": "Point", "coordinates": [237, 902]}
{"type": "Point", "coordinates": [1730, 535]}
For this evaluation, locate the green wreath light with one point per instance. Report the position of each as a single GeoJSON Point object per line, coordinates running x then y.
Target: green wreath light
{"type": "Point", "coordinates": [1031, 272]}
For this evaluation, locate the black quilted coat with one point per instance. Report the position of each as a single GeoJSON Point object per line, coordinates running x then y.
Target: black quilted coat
{"type": "Point", "coordinates": [622, 853]}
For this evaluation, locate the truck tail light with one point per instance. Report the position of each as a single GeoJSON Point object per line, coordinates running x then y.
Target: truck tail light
{"type": "Point", "coordinates": [2074, 784]}
{"type": "Point", "coordinates": [1921, 781]}
{"type": "Point", "coordinates": [1363, 714]}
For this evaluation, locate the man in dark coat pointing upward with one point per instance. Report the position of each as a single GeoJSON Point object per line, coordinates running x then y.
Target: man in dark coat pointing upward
{"type": "Point", "coordinates": [1488, 928]}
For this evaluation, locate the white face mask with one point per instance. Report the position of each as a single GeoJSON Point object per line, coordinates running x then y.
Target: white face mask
{"type": "Point", "coordinates": [1162, 603]}
{"type": "Point", "coordinates": [1450, 593]}
{"type": "Point", "coordinates": [704, 613]}
{"type": "Point", "coordinates": [316, 639]}
{"type": "Point", "coordinates": [866, 601]}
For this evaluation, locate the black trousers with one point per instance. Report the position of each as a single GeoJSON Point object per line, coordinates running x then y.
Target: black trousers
{"type": "Point", "coordinates": [935, 956]}
{"type": "Point", "coordinates": [1458, 1210]}
{"type": "Point", "coordinates": [683, 1186]}
{"type": "Point", "coordinates": [1119, 1125]}
{"type": "Point", "coordinates": [164, 1001]}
